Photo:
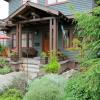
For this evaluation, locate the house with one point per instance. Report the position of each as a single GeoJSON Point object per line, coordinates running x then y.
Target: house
{"type": "Point", "coordinates": [43, 24]}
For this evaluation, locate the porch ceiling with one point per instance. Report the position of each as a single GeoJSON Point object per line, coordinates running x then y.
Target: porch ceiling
{"type": "Point", "coordinates": [30, 10]}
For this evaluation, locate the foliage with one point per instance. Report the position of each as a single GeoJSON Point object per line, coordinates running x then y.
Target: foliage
{"type": "Point", "coordinates": [53, 66]}
{"type": "Point", "coordinates": [1, 48]}
{"type": "Point", "coordinates": [4, 67]}
{"type": "Point", "coordinates": [98, 2]}
{"type": "Point", "coordinates": [14, 53]}
{"type": "Point", "coordinates": [11, 94]}
{"type": "Point", "coordinates": [88, 26]}
{"type": "Point", "coordinates": [5, 70]}
{"type": "Point", "coordinates": [43, 55]}
{"type": "Point", "coordinates": [20, 83]}
{"type": "Point", "coordinates": [85, 85]}
{"type": "Point", "coordinates": [50, 87]}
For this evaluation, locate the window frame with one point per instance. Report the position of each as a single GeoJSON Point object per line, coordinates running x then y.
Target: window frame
{"type": "Point", "coordinates": [55, 3]}
{"type": "Point", "coordinates": [70, 38]}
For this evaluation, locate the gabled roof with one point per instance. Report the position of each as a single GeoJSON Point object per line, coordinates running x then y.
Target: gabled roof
{"type": "Point", "coordinates": [35, 8]}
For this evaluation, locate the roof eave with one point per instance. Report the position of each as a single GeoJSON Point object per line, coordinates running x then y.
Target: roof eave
{"type": "Point", "coordinates": [6, 0]}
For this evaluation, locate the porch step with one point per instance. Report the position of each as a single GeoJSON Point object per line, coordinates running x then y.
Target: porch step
{"type": "Point", "coordinates": [31, 66]}
{"type": "Point", "coordinates": [32, 70]}
{"type": "Point", "coordinates": [31, 61]}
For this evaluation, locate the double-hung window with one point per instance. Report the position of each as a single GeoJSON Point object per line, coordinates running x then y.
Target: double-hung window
{"type": "Point", "coordinates": [49, 2]}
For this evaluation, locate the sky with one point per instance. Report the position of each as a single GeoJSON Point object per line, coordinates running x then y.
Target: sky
{"type": "Point", "coordinates": [3, 9]}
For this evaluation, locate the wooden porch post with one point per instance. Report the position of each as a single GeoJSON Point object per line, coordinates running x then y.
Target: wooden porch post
{"type": "Point", "coordinates": [53, 34]}
{"type": "Point", "coordinates": [19, 39]}
{"type": "Point", "coordinates": [27, 40]}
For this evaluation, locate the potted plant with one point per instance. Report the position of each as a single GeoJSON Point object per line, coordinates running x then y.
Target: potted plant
{"type": "Point", "coordinates": [14, 56]}
{"type": "Point", "coordinates": [43, 58]}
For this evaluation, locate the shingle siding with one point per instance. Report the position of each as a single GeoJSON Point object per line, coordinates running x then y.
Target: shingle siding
{"type": "Point", "coordinates": [77, 5]}
{"type": "Point", "coordinates": [42, 2]}
{"type": "Point", "coordinates": [14, 5]}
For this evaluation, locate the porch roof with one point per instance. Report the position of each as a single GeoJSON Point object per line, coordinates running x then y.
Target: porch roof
{"type": "Point", "coordinates": [30, 9]}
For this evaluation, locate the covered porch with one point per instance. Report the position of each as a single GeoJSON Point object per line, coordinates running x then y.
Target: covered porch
{"type": "Point", "coordinates": [39, 21]}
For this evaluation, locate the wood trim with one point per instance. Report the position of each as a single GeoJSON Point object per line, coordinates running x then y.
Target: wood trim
{"type": "Point", "coordinates": [57, 3]}
{"type": "Point", "coordinates": [40, 7]}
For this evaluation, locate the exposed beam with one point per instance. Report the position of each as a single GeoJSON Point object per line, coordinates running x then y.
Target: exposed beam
{"type": "Point", "coordinates": [36, 20]}
{"type": "Point", "coordinates": [23, 17]}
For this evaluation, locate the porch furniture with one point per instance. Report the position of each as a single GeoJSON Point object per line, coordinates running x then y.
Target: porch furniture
{"type": "Point", "coordinates": [30, 52]}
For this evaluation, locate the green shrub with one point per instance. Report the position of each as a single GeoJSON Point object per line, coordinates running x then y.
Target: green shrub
{"type": "Point", "coordinates": [4, 67]}
{"type": "Point", "coordinates": [54, 65]}
{"type": "Point", "coordinates": [84, 86]}
{"type": "Point", "coordinates": [1, 48]}
{"type": "Point", "coordinates": [11, 94]}
{"type": "Point", "coordinates": [50, 87]}
{"type": "Point", "coordinates": [5, 70]}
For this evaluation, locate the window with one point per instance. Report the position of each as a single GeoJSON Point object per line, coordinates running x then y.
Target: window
{"type": "Point", "coordinates": [35, 1]}
{"type": "Point", "coordinates": [61, 0]}
{"type": "Point", "coordinates": [24, 40]}
{"type": "Point", "coordinates": [55, 1]}
{"type": "Point", "coordinates": [51, 1]}
{"type": "Point", "coordinates": [66, 39]}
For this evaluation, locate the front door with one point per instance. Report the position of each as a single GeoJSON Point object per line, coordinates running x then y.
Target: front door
{"type": "Point", "coordinates": [45, 37]}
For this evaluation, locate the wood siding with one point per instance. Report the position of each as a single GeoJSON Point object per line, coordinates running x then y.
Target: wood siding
{"type": "Point", "coordinates": [66, 8]}
{"type": "Point", "coordinates": [14, 5]}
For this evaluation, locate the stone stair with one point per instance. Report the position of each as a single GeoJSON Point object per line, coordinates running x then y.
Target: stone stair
{"type": "Point", "coordinates": [31, 67]}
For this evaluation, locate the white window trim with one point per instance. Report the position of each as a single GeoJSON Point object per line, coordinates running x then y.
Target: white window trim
{"type": "Point", "coordinates": [56, 2]}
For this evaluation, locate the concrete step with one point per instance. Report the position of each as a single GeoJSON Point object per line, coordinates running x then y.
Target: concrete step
{"type": "Point", "coordinates": [31, 61]}
{"type": "Point", "coordinates": [33, 70]}
{"type": "Point", "coordinates": [31, 66]}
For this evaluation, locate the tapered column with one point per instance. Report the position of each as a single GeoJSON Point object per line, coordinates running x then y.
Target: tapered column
{"type": "Point", "coordinates": [53, 34]}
